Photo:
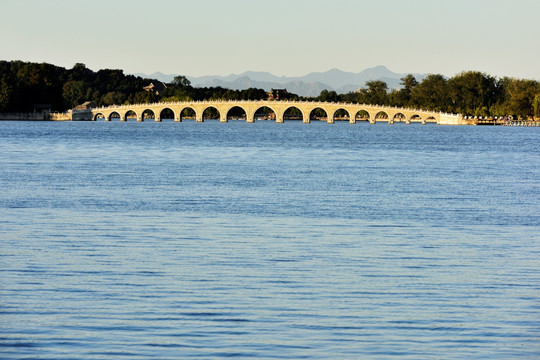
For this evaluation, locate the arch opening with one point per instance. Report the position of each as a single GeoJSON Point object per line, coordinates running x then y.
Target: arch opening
{"type": "Point", "coordinates": [293, 113]}
{"type": "Point", "coordinates": [188, 113]}
{"type": "Point", "coordinates": [166, 114]}
{"type": "Point", "coordinates": [318, 114]}
{"type": "Point", "coordinates": [148, 115]}
{"type": "Point", "coordinates": [341, 115]}
{"type": "Point", "coordinates": [381, 115]}
{"type": "Point", "coordinates": [399, 117]}
{"type": "Point", "coordinates": [362, 115]}
{"type": "Point", "coordinates": [114, 115]}
{"type": "Point", "coordinates": [99, 117]}
{"type": "Point", "coordinates": [431, 119]}
{"type": "Point", "coordinates": [210, 113]}
{"type": "Point", "coordinates": [131, 115]}
{"type": "Point", "coordinates": [416, 118]}
{"type": "Point", "coordinates": [264, 113]}
{"type": "Point", "coordinates": [236, 113]}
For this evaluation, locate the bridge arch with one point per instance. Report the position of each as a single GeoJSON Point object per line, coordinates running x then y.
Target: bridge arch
{"type": "Point", "coordinates": [147, 114]}
{"type": "Point", "coordinates": [210, 113]}
{"type": "Point", "coordinates": [431, 119]}
{"type": "Point", "coordinates": [236, 113]}
{"type": "Point", "coordinates": [187, 113]}
{"type": "Point", "coordinates": [416, 118]}
{"type": "Point", "coordinates": [130, 114]}
{"type": "Point", "coordinates": [399, 117]}
{"type": "Point", "coordinates": [341, 115]}
{"type": "Point", "coordinates": [264, 113]}
{"type": "Point", "coordinates": [318, 113]}
{"type": "Point", "coordinates": [293, 113]}
{"type": "Point", "coordinates": [382, 115]}
{"type": "Point", "coordinates": [362, 115]}
{"type": "Point", "coordinates": [99, 116]}
{"type": "Point", "coordinates": [114, 115]}
{"type": "Point", "coordinates": [167, 114]}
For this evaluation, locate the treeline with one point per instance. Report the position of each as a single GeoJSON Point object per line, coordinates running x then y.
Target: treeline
{"type": "Point", "coordinates": [23, 85]}
{"type": "Point", "coordinates": [469, 93]}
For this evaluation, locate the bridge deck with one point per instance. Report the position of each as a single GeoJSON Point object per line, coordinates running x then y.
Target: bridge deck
{"type": "Point", "coordinates": [274, 110]}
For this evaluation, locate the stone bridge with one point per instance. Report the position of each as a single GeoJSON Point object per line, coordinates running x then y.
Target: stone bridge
{"type": "Point", "coordinates": [278, 111]}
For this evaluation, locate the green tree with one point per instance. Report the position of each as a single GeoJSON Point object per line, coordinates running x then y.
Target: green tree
{"type": "Point", "coordinates": [253, 94]}
{"type": "Point", "coordinates": [402, 97]}
{"type": "Point", "coordinates": [181, 81]}
{"type": "Point", "coordinates": [536, 105]}
{"type": "Point", "coordinates": [519, 96]}
{"type": "Point", "coordinates": [79, 73]}
{"type": "Point", "coordinates": [113, 98]}
{"type": "Point", "coordinates": [375, 93]}
{"type": "Point", "coordinates": [431, 94]}
{"type": "Point", "coordinates": [6, 95]}
{"type": "Point", "coordinates": [74, 93]}
{"type": "Point", "coordinates": [474, 93]}
{"type": "Point", "coordinates": [330, 96]}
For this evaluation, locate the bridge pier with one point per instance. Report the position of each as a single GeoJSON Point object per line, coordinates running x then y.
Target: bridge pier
{"type": "Point", "coordinates": [140, 118]}
{"type": "Point", "coordinates": [178, 119]}
{"type": "Point", "coordinates": [223, 119]}
{"type": "Point", "coordinates": [157, 119]}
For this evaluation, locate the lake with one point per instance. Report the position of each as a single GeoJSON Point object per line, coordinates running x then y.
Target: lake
{"type": "Point", "coordinates": [268, 241]}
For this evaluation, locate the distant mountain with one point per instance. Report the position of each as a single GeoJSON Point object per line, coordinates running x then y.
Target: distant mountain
{"type": "Point", "coordinates": [158, 76]}
{"type": "Point", "coordinates": [308, 85]}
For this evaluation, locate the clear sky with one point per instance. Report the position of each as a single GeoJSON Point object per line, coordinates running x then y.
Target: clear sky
{"type": "Point", "coordinates": [285, 37]}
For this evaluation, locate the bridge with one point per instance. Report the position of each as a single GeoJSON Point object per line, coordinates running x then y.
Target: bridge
{"type": "Point", "coordinates": [278, 111]}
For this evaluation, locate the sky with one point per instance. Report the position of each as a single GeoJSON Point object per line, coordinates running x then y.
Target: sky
{"type": "Point", "coordinates": [284, 37]}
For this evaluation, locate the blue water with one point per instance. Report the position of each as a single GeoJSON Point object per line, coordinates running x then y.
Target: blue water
{"type": "Point", "coordinates": [268, 241]}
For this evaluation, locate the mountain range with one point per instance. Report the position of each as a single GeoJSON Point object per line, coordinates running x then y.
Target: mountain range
{"type": "Point", "coordinates": [309, 85]}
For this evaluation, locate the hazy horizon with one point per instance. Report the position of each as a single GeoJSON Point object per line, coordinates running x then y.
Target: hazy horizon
{"type": "Point", "coordinates": [313, 72]}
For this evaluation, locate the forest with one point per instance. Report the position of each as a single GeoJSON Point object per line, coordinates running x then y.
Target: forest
{"type": "Point", "coordinates": [25, 85]}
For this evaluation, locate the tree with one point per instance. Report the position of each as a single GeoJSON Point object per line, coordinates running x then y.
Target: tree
{"type": "Point", "coordinates": [79, 72]}
{"type": "Point", "coordinates": [181, 81]}
{"type": "Point", "coordinates": [431, 94]}
{"type": "Point", "coordinates": [113, 98]}
{"type": "Point", "coordinates": [519, 96]}
{"type": "Point", "coordinates": [74, 93]}
{"type": "Point", "coordinates": [471, 92]}
{"type": "Point", "coordinates": [402, 97]}
{"type": "Point", "coordinates": [536, 105]}
{"type": "Point", "coordinates": [330, 96]}
{"type": "Point", "coordinates": [375, 92]}
{"type": "Point", "coordinates": [6, 94]}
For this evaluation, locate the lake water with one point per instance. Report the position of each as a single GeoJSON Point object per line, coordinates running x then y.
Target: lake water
{"type": "Point", "coordinates": [268, 241]}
